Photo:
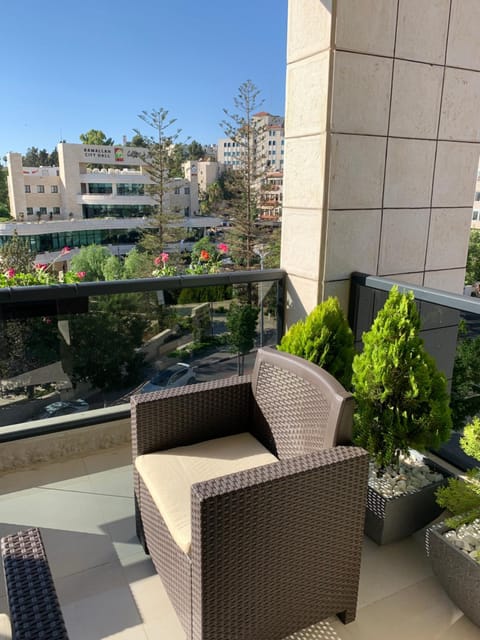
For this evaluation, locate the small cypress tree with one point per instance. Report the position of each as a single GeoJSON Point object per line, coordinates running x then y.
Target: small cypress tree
{"type": "Point", "coordinates": [462, 496]}
{"type": "Point", "coordinates": [324, 338]}
{"type": "Point", "coordinates": [402, 398]}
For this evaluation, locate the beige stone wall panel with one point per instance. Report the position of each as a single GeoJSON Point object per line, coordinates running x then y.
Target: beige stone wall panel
{"type": "Point", "coordinates": [403, 241]}
{"type": "Point", "coordinates": [416, 98]}
{"type": "Point", "coordinates": [352, 243]}
{"type": "Point", "coordinates": [361, 93]}
{"type": "Point", "coordinates": [309, 28]}
{"type": "Point", "coordinates": [448, 238]}
{"type": "Point", "coordinates": [409, 173]}
{"type": "Point", "coordinates": [460, 117]}
{"type": "Point", "coordinates": [448, 280]}
{"type": "Point", "coordinates": [356, 171]}
{"type": "Point", "coordinates": [463, 41]}
{"type": "Point", "coordinates": [422, 30]}
{"type": "Point", "coordinates": [307, 95]}
{"type": "Point", "coordinates": [303, 181]}
{"type": "Point", "coordinates": [455, 174]}
{"type": "Point", "coordinates": [366, 26]}
{"type": "Point", "coordinates": [301, 229]}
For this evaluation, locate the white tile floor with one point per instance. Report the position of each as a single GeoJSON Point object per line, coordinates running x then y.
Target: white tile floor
{"type": "Point", "coordinates": [108, 587]}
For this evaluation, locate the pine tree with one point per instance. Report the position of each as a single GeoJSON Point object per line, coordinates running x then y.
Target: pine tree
{"type": "Point", "coordinates": [159, 161]}
{"type": "Point", "coordinates": [324, 338]}
{"type": "Point", "coordinates": [243, 182]}
{"type": "Point", "coordinates": [402, 398]}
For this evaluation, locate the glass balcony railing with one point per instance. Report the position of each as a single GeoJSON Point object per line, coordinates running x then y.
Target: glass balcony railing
{"type": "Point", "coordinates": [69, 350]}
{"type": "Point", "coordinates": [450, 328]}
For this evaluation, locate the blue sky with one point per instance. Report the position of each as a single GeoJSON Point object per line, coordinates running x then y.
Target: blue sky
{"type": "Point", "coordinates": [96, 64]}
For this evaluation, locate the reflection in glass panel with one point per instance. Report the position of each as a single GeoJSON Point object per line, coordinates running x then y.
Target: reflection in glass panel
{"type": "Point", "coordinates": [54, 364]}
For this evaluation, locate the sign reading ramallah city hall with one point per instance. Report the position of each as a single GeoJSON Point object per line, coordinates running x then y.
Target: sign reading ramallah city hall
{"type": "Point", "coordinates": [112, 155]}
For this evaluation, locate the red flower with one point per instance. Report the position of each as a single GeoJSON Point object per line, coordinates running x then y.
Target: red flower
{"type": "Point", "coordinates": [81, 274]}
{"type": "Point", "coordinates": [10, 273]}
{"type": "Point", "coordinates": [204, 255]}
{"type": "Point", "coordinates": [157, 261]}
{"type": "Point", "coordinates": [65, 250]}
{"type": "Point", "coordinates": [222, 247]}
{"type": "Point", "coordinates": [41, 267]}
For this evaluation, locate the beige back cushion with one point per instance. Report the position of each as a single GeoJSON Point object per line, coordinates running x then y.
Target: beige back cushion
{"type": "Point", "coordinates": [5, 628]}
{"type": "Point", "coordinates": [170, 474]}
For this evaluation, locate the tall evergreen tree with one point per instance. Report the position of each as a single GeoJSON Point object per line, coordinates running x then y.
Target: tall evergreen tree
{"type": "Point", "coordinates": [158, 161]}
{"type": "Point", "coordinates": [246, 132]}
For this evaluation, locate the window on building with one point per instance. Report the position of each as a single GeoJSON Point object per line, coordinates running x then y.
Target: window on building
{"type": "Point", "coordinates": [29, 211]}
{"type": "Point", "coordinates": [477, 195]}
{"type": "Point", "coordinates": [186, 211]}
{"type": "Point", "coordinates": [177, 191]}
{"type": "Point", "coordinates": [27, 188]}
{"type": "Point", "coordinates": [475, 214]}
{"type": "Point", "coordinates": [42, 211]}
{"type": "Point", "coordinates": [186, 191]}
{"type": "Point", "coordinates": [100, 188]}
{"type": "Point", "coordinates": [56, 211]}
{"type": "Point", "coordinates": [54, 188]}
{"type": "Point", "coordinates": [133, 189]}
{"type": "Point", "coordinates": [40, 188]}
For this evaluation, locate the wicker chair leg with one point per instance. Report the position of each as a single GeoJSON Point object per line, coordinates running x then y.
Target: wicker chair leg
{"type": "Point", "coordinates": [348, 615]}
{"type": "Point", "coordinates": [139, 528]}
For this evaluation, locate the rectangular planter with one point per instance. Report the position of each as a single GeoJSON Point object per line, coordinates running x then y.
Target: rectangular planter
{"type": "Point", "coordinates": [458, 574]}
{"type": "Point", "coordinates": [391, 519]}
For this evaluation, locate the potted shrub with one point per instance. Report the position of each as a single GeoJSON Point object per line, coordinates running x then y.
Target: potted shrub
{"type": "Point", "coordinates": [325, 338]}
{"type": "Point", "coordinates": [454, 544]}
{"type": "Point", "coordinates": [402, 405]}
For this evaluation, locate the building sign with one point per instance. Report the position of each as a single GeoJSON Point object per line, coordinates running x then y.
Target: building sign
{"type": "Point", "coordinates": [112, 155]}
{"type": "Point", "coordinates": [98, 153]}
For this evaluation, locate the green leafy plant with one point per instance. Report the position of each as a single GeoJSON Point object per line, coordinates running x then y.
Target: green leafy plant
{"type": "Point", "coordinates": [402, 398]}
{"type": "Point", "coordinates": [325, 338]}
{"type": "Point", "coordinates": [462, 496]}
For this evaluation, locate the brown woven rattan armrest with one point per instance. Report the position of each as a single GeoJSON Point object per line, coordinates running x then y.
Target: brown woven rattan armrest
{"type": "Point", "coordinates": [186, 415]}
{"type": "Point", "coordinates": [32, 599]}
{"type": "Point", "coordinates": [299, 520]}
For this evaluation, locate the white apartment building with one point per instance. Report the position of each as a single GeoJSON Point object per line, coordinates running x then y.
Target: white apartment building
{"type": "Point", "coordinates": [97, 195]}
{"type": "Point", "coordinates": [270, 153]}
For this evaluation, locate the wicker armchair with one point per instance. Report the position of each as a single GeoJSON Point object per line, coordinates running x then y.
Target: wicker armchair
{"type": "Point", "coordinates": [274, 548]}
{"type": "Point", "coordinates": [34, 609]}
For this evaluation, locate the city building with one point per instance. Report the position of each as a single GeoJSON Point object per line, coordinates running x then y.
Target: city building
{"type": "Point", "coordinates": [97, 195]}
{"type": "Point", "coordinates": [270, 153]}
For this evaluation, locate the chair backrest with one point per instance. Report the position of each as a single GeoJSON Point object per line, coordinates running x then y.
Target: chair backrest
{"type": "Point", "coordinates": [299, 407]}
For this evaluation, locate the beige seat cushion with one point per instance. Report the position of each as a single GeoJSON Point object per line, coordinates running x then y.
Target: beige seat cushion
{"type": "Point", "coordinates": [5, 628]}
{"type": "Point", "coordinates": [170, 474]}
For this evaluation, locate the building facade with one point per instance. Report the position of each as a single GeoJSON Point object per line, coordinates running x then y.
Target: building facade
{"type": "Point", "coordinates": [270, 157]}
{"type": "Point", "coordinates": [97, 195]}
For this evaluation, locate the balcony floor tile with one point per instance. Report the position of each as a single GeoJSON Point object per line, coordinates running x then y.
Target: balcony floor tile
{"type": "Point", "coordinates": [109, 589]}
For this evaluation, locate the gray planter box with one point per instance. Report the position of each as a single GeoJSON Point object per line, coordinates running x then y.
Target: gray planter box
{"type": "Point", "coordinates": [458, 574]}
{"type": "Point", "coordinates": [391, 519]}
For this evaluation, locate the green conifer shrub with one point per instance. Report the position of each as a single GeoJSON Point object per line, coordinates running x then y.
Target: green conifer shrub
{"type": "Point", "coordinates": [402, 398]}
{"type": "Point", "coordinates": [325, 338]}
{"type": "Point", "coordinates": [462, 496]}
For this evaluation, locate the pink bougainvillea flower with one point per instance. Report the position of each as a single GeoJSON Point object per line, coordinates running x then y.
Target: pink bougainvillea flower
{"type": "Point", "coordinates": [65, 250]}
{"type": "Point", "coordinates": [164, 257]}
{"type": "Point", "coordinates": [222, 247]}
{"type": "Point", "coordinates": [41, 267]}
{"type": "Point", "coordinates": [10, 273]}
{"type": "Point", "coordinates": [81, 274]}
{"type": "Point", "coordinates": [204, 255]}
{"type": "Point", "coordinates": [157, 261]}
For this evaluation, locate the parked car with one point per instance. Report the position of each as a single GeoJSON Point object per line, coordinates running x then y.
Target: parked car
{"type": "Point", "coordinates": [64, 407]}
{"type": "Point", "coordinates": [178, 375]}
